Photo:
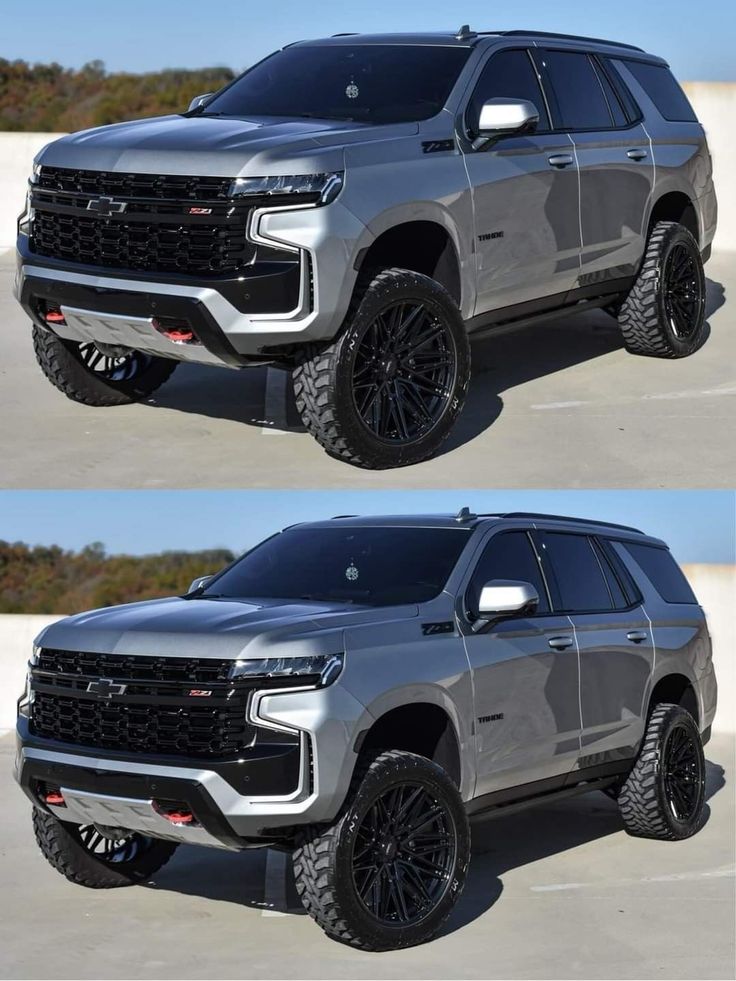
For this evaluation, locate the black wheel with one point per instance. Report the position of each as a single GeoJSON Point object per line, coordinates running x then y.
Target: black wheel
{"type": "Point", "coordinates": [84, 373]}
{"type": "Point", "coordinates": [664, 314]}
{"type": "Point", "coordinates": [388, 872]}
{"type": "Point", "coordinates": [664, 795]}
{"type": "Point", "coordinates": [387, 392]}
{"type": "Point", "coordinates": [97, 857]}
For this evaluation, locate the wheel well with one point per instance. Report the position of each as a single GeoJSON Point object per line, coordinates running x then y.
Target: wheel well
{"type": "Point", "coordinates": [676, 689]}
{"type": "Point", "coordinates": [421, 246]}
{"type": "Point", "coordinates": [676, 206]}
{"type": "Point", "coordinates": [421, 728]}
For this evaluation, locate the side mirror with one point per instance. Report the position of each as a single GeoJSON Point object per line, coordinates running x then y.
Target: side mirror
{"type": "Point", "coordinates": [199, 582]}
{"type": "Point", "coordinates": [505, 597]}
{"type": "Point", "coordinates": [505, 117]}
{"type": "Point", "coordinates": [199, 101]}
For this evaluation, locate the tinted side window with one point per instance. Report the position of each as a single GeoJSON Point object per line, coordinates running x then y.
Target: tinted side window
{"type": "Point", "coordinates": [620, 600]}
{"type": "Point", "coordinates": [662, 571]}
{"type": "Point", "coordinates": [580, 99]}
{"type": "Point", "coordinates": [577, 571]}
{"type": "Point", "coordinates": [619, 116]}
{"type": "Point", "coordinates": [659, 84]}
{"type": "Point", "coordinates": [633, 111]}
{"type": "Point", "coordinates": [507, 556]}
{"type": "Point", "coordinates": [508, 75]}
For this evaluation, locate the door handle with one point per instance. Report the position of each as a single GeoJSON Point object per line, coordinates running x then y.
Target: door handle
{"type": "Point", "coordinates": [637, 636]}
{"type": "Point", "coordinates": [560, 643]}
{"type": "Point", "coordinates": [560, 160]}
{"type": "Point", "coordinates": [637, 154]}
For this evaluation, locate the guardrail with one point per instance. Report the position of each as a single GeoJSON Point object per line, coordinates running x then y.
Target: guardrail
{"type": "Point", "coordinates": [714, 585]}
{"type": "Point", "coordinates": [714, 102]}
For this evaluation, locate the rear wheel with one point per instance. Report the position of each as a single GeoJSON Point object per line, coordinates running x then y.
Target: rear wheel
{"type": "Point", "coordinates": [664, 314]}
{"type": "Point", "coordinates": [664, 795]}
{"type": "Point", "coordinates": [386, 393]}
{"type": "Point", "coordinates": [99, 858]}
{"type": "Point", "coordinates": [95, 376]}
{"type": "Point", "coordinates": [388, 872]}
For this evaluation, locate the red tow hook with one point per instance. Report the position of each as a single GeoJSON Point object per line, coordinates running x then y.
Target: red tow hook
{"type": "Point", "coordinates": [174, 813]}
{"type": "Point", "coordinates": [179, 817]}
{"type": "Point", "coordinates": [54, 317]}
{"type": "Point", "coordinates": [177, 334]}
{"type": "Point", "coordinates": [55, 797]}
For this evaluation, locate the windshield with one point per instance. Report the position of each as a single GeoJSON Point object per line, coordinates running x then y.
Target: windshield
{"type": "Point", "coordinates": [372, 83]}
{"type": "Point", "coordinates": [371, 566]}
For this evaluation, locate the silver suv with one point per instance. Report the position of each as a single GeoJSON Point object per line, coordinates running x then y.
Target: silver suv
{"type": "Point", "coordinates": [354, 690]}
{"type": "Point", "coordinates": [354, 209]}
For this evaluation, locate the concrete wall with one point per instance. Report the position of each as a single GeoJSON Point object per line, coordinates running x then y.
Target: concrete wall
{"type": "Point", "coordinates": [714, 585]}
{"type": "Point", "coordinates": [714, 102]}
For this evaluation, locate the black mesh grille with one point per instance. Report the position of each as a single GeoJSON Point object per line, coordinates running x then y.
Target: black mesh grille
{"type": "Point", "coordinates": [170, 706]}
{"type": "Point", "coordinates": [171, 224]}
{"type": "Point", "coordinates": [98, 182]}
{"type": "Point", "coordinates": [195, 670]}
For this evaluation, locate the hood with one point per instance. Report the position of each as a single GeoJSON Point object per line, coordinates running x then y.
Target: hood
{"type": "Point", "coordinates": [220, 628]}
{"type": "Point", "coordinates": [216, 146]}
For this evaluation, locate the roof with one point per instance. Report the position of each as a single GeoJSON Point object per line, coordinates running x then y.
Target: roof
{"type": "Point", "coordinates": [467, 519]}
{"type": "Point", "coordinates": [463, 38]}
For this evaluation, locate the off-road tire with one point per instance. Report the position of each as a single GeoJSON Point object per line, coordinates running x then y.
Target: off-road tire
{"type": "Point", "coordinates": [323, 857]}
{"type": "Point", "coordinates": [643, 318]}
{"type": "Point", "coordinates": [323, 378]}
{"type": "Point", "coordinates": [61, 363]}
{"type": "Point", "coordinates": [643, 799]}
{"type": "Point", "coordinates": [62, 847]}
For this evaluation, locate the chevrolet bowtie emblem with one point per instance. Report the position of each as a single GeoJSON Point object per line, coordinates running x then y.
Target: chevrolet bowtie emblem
{"type": "Point", "coordinates": [106, 206]}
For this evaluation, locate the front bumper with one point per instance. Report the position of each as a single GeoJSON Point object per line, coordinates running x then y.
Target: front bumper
{"type": "Point", "coordinates": [269, 307]}
{"type": "Point", "coordinates": [241, 803]}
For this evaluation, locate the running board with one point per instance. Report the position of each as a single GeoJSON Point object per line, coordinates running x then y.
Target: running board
{"type": "Point", "coordinates": [501, 326]}
{"type": "Point", "coordinates": [513, 806]}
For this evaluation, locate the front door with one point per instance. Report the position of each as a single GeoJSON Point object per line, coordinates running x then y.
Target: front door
{"type": "Point", "coordinates": [525, 677]}
{"type": "Point", "coordinates": [525, 196]}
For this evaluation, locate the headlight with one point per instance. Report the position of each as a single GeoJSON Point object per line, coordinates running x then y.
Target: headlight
{"type": "Point", "coordinates": [35, 174]}
{"type": "Point", "coordinates": [304, 188]}
{"type": "Point", "coordinates": [26, 699]}
{"type": "Point", "coordinates": [316, 671]}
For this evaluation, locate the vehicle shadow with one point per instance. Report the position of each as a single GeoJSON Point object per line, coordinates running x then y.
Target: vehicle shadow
{"type": "Point", "coordinates": [262, 397]}
{"type": "Point", "coordinates": [505, 843]}
{"type": "Point", "coordinates": [499, 845]}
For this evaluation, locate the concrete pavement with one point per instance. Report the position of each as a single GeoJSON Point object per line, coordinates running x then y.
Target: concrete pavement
{"type": "Point", "coordinates": [558, 405]}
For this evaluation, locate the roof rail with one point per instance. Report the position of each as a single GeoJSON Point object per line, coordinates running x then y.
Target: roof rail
{"type": "Point", "coordinates": [336, 516]}
{"type": "Point", "coordinates": [565, 517]}
{"type": "Point", "coordinates": [345, 34]}
{"type": "Point", "coordinates": [567, 37]}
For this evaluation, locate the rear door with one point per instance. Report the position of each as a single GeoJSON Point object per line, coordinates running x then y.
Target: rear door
{"type": "Point", "coordinates": [525, 676]}
{"type": "Point", "coordinates": [614, 639]}
{"type": "Point", "coordinates": [614, 158]}
{"type": "Point", "coordinates": [525, 194]}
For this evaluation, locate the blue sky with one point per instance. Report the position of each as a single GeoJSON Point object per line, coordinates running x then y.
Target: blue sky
{"type": "Point", "coordinates": [698, 525]}
{"type": "Point", "coordinates": [141, 35]}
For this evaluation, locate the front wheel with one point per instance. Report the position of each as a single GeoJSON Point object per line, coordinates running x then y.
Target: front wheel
{"type": "Point", "coordinates": [88, 374]}
{"type": "Point", "coordinates": [99, 858]}
{"type": "Point", "coordinates": [388, 390]}
{"type": "Point", "coordinates": [389, 871]}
